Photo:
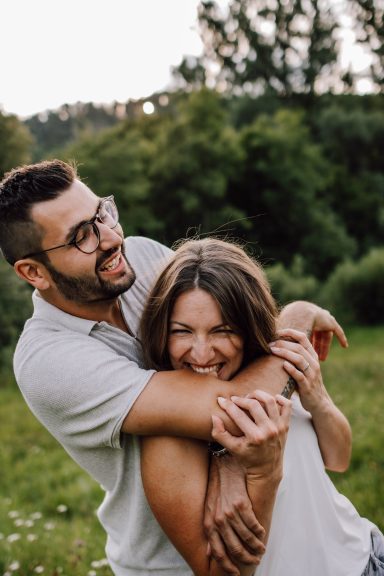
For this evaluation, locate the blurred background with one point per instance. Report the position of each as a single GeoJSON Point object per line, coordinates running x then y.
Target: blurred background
{"type": "Point", "coordinates": [261, 120]}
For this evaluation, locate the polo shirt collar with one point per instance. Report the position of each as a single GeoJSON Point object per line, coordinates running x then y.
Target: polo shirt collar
{"type": "Point", "coordinates": [50, 313]}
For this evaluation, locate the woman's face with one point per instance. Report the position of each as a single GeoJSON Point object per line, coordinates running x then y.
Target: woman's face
{"type": "Point", "coordinates": [200, 340]}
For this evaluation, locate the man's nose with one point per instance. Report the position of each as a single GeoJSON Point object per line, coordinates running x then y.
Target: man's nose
{"type": "Point", "coordinates": [109, 237]}
{"type": "Point", "coordinates": [202, 351]}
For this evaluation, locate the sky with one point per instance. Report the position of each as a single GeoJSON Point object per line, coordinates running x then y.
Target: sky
{"type": "Point", "coordinates": [56, 52]}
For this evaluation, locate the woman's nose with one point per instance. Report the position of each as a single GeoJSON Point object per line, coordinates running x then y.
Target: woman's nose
{"type": "Point", "coordinates": [202, 351]}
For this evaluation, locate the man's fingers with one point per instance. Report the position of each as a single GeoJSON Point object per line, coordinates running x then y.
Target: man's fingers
{"type": "Point", "coordinates": [235, 548]}
{"type": "Point", "coordinates": [218, 552]}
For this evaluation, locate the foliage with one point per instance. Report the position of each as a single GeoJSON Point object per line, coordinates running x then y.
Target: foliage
{"type": "Point", "coordinates": [283, 181]}
{"type": "Point", "coordinates": [353, 141]}
{"type": "Point", "coordinates": [15, 304]}
{"type": "Point", "coordinates": [197, 154]}
{"type": "Point", "coordinates": [264, 46]}
{"type": "Point", "coordinates": [56, 129]}
{"type": "Point", "coordinates": [15, 143]}
{"type": "Point", "coordinates": [289, 284]}
{"type": "Point", "coordinates": [354, 291]}
{"type": "Point", "coordinates": [368, 16]}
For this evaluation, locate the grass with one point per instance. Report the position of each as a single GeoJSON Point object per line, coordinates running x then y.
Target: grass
{"type": "Point", "coordinates": [47, 504]}
{"type": "Point", "coordinates": [355, 379]}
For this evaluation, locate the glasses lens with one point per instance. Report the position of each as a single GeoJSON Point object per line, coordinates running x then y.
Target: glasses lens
{"type": "Point", "coordinates": [108, 213]}
{"type": "Point", "coordinates": [87, 238]}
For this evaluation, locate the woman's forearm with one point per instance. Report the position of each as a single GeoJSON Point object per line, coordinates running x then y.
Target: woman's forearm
{"type": "Point", "coordinates": [334, 435]}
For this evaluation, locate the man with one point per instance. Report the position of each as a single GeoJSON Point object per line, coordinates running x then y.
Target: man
{"type": "Point", "coordinates": [78, 362]}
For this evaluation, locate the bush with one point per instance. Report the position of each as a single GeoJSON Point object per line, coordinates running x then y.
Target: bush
{"type": "Point", "coordinates": [354, 291]}
{"type": "Point", "coordinates": [290, 284]}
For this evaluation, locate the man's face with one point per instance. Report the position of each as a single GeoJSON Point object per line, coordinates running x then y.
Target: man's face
{"type": "Point", "coordinates": [79, 277]}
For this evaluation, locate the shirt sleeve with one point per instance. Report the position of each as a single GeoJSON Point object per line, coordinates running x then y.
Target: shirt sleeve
{"type": "Point", "coordinates": [78, 387]}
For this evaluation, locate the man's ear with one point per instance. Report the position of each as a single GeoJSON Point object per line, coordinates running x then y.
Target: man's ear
{"type": "Point", "coordinates": [33, 272]}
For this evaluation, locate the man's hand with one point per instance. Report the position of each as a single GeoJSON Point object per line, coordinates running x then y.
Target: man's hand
{"type": "Point", "coordinates": [317, 322]}
{"type": "Point", "coordinates": [230, 525]}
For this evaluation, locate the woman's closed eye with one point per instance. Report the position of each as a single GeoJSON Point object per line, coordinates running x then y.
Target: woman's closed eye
{"type": "Point", "coordinates": [224, 330]}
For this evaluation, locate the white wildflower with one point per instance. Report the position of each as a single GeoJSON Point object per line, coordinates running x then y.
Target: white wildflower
{"type": "Point", "coordinates": [15, 565]}
{"type": "Point", "coordinates": [32, 537]}
{"type": "Point", "coordinates": [36, 515]}
{"type": "Point", "coordinates": [39, 569]}
{"type": "Point", "coordinates": [49, 525]}
{"type": "Point", "coordinates": [13, 514]}
{"type": "Point", "coordinates": [13, 537]}
{"type": "Point", "coordinates": [62, 508]}
{"type": "Point", "coordinates": [19, 522]}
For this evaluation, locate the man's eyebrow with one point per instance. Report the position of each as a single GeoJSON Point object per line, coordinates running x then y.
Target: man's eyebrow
{"type": "Point", "coordinates": [73, 229]}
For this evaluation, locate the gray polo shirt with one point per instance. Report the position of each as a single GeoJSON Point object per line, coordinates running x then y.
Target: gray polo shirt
{"type": "Point", "coordinates": [80, 379]}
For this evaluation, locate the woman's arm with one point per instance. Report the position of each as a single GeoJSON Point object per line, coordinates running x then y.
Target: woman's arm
{"type": "Point", "coordinates": [332, 428]}
{"type": "Point", "coordinates": [175, 475]}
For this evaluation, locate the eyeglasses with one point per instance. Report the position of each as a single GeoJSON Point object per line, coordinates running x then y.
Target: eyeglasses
{"type": "Point", "coordinates": [87, 236]}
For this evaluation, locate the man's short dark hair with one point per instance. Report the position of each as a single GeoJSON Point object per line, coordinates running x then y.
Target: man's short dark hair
{"type": "Point", "coordinates": [20, 190]}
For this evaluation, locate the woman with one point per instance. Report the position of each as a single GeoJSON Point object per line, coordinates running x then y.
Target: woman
{"type": "Point", "coordinates": [211, 311]}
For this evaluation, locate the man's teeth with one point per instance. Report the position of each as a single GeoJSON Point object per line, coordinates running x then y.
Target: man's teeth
{"type": "Point", "coordinates": [112, 264]}
{"type": "Point", "coordinates": [205, 369]}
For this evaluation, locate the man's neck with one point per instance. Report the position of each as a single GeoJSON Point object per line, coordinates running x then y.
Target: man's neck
{"type": "Point", "coordinates": [100, 311]}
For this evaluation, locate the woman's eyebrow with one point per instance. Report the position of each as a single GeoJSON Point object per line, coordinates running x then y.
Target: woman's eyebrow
{"type": "Point", "coordinates": [180, 323]}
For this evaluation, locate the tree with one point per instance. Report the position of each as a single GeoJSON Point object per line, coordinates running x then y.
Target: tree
{"type": "Point", "coordinates": [282, 185]}
{"type": "Point", "coordinates": [353, 141]}
{"type": "Point", "coordinates": [263, 46]}
{"type": "Point", "coordinates": [15, 143]}
{"type": "Point", "coordinates": [368, 16]}
{"type": "Point", "coordinates": [197, 154]}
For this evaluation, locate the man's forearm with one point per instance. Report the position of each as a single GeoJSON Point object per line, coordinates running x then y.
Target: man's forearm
{"type": "Point", "coordinates": [181, 402]}
{"type": "Point", "coordinates": [299, 315]}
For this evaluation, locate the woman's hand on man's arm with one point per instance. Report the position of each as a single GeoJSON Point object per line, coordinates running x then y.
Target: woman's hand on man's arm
{"type": "Point", "coordinates": [301, 362]}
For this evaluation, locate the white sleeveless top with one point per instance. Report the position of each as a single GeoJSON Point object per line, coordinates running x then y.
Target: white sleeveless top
{"type": "Point", "coordinates": [315, 530]}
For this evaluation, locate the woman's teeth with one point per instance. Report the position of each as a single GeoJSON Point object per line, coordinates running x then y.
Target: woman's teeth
{"type": "Point", "coordinates": [112, 264]}
{"type": "Point", "coordinates": [205, 369]}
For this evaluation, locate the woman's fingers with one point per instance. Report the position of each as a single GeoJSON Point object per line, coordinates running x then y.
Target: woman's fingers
{"type": "Point", "coordinates": [302, 360]}
{"type": "Point", "coordinates": [295, 340]}
{"type": "Point", "coordinates": [264, 423]}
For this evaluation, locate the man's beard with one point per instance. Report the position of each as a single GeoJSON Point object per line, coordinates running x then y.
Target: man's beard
{"type": "Point", "coordinates": [87, 289]}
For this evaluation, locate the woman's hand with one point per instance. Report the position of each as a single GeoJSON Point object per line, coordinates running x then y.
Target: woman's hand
{"type": "Point", "coordinates": [264, 421]}
{"type": "Point", "coordinates": [302, 364]}
{"type": "Point", "coordinates": [332, 428]}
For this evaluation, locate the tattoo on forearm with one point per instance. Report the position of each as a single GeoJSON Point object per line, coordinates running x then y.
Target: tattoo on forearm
{"type": "Point", "coordinates": [289, 388]}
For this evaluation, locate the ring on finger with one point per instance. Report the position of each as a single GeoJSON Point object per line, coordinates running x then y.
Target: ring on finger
{"type": "Point", "coordinates": [306, 368]}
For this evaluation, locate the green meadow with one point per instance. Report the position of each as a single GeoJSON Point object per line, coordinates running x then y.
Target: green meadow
{"type": "Point", "coordinates": [48, 523]}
